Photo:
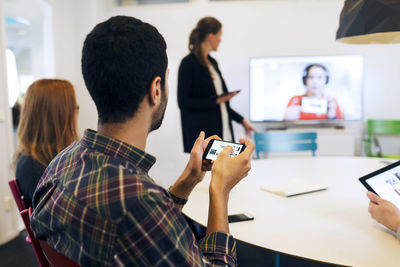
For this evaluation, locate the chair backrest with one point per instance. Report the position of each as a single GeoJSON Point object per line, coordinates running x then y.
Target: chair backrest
{"type": "Point", "coordinates": [35, 243]}
{"type": "Point", "coordinates": [46, 255]}
{"type": "Point", "coordinates": [382, 128]}
{"type": "Point", "coordinates": [19, 199]}
{"type": "Point", "coordinates": [55, 258]}
{"type": "Point", "coordinates": [285, 142]}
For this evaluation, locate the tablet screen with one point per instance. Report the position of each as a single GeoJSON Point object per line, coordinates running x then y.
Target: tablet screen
{"type": "Point", "coordinates": [385, 183]}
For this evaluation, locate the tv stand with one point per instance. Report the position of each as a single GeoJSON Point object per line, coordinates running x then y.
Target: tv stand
{"type": "Point", "coordinates": [324, 125]}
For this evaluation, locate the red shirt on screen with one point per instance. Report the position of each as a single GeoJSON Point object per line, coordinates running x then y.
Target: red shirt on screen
{"type": "Point", "coordinates": [296, 101]}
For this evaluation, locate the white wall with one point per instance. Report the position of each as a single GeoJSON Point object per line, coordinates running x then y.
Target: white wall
{"type": "Point", "coordinates": [251, 28]}
{"type": "Point", "coordinates": [8, 211]}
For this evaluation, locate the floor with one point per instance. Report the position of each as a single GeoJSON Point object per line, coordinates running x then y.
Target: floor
{"type": "Point", "coordinates": [18, 253]}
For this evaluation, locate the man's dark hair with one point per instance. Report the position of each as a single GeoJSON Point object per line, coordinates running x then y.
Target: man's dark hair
{"type": "Point", "coordinates": [120, 59]}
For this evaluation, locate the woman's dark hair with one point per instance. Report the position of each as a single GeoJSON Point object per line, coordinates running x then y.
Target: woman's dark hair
{"type": "Point", "coordinates": [204, 27]}
{"type": "Point", "coordinates": [120, 59]}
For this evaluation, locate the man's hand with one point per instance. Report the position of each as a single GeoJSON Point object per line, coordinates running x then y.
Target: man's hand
{"type": "Point", "coordinates": [384, 211]}
{"type": "Point", "coordinates": [195, 169]}
{"type": "Point", "coordinates": [227, 172]}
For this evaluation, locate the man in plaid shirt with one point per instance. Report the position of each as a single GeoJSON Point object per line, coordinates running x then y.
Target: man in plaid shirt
{"type": "Point", "coordinates": [96, 203]}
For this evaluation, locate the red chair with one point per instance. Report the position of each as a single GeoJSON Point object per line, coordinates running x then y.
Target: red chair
{"type": "Point", "coordinates": [18, 197]}
{"type": "Point", "coordinates": [35, 243]}
{"type": "Point", "coordinates": [46, 255]}
{"type": "Point", "coordinates": [55, 258]}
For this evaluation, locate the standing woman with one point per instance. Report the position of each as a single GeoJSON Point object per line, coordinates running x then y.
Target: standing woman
{"type": "Point", "coordinates": [47, 126]}
{"type": "Point", "coordinates": [200, 85]}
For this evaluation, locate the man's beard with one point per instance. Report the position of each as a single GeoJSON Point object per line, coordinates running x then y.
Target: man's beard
{"type": "Point", "coordinates": [159, 115]}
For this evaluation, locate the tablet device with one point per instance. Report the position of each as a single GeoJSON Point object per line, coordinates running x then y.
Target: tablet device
{"type": "Point", "coordinates": [385, 183]}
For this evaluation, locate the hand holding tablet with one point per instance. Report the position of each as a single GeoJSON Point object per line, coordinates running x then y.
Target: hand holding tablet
{"type": "Point", "coordinates": [385, 183]}
{"type": "Point", "coordinates": [384, 212]}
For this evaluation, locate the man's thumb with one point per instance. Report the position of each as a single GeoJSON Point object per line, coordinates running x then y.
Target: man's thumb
{"type": "Point", "coordinates": [226, 151]}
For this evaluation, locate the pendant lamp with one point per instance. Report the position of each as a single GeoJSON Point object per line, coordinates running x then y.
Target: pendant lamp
{"type": "Point", "coordinates": [369, 21]}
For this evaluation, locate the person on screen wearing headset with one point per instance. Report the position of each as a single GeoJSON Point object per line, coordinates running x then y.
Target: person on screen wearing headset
{"type": "Point", "coordinates": [203, 96]}
{"type": "Point", "coordinates": [314, 104]}
{"type": "Point", "coordinates": [384, 212]}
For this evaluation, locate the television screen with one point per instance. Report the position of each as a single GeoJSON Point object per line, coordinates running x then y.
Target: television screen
{"type": "Point", "coordinates": [313, 88]}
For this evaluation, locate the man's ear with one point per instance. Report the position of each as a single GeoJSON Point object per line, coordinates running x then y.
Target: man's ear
{"type": "Point", "coordinates": [155, 91]}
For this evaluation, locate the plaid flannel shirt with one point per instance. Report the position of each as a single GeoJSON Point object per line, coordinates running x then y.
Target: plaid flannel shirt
{"type": "Point", "coordinates": [97, 205]}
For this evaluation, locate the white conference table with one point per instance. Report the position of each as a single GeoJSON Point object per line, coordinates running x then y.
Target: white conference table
{"type": "Point", "coordinates": [331, 226]}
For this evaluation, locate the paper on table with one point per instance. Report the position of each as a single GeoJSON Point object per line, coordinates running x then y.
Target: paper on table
{"type": "Point", "coordinates": [293, 187]}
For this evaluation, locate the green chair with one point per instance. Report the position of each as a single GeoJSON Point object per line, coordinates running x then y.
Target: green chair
{"type": "Point", "coordinates": [285, 142]}
{"type": "Point", "coordinates": [380, 128]}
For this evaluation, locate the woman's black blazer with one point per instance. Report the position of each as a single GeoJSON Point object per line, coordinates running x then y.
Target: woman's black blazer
{"type": "Point", "coordinates": [197, 101]}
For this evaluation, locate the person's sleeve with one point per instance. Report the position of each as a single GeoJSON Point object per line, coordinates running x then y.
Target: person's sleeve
{"type": "Point", "coordinates": [155, 233]}
{"type": "Point", "coordinates": [339, 114]}
{"type": "Point", "coordinates": [235, 116]}
{"type": "Point", "coordinates": [186, 86]}
{"type": "Point", "coordinates": [219, 248]}
{"type": "Point", "coordinates": [294, 101]}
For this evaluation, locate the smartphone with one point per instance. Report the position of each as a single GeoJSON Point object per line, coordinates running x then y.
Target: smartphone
{"type": "Point", "coordinates": [227, 93]}
{"type": "Point", "coordinates": [240, 217]}
{"type": "Point", "coordinates": [216, 146]}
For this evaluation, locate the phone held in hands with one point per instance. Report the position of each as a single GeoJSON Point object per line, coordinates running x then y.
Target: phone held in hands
{"type": "Point", "coordinates": [228, 93]}
{"type": "Point", "coordinates": [240, 217]}
{"type": "Point", "coordinates": [216, 146]}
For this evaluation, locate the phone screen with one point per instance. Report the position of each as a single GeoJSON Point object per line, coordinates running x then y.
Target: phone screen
{"type": "Point", "coordinates": [217, 146]}
{"type": "Point", "coordinates": [240, 217]}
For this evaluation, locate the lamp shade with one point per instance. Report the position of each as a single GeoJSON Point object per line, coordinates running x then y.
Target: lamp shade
{"type": "Point", "coordinates": [369, 21]}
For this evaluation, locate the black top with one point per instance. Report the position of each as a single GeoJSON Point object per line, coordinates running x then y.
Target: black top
{"type": "Point", "coordinates": [28, 173]}
{"type": "Point", "coordinates": [197, 101]}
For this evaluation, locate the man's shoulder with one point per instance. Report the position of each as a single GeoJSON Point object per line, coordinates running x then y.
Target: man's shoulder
{"type": "Point", "coordinates": [99, 182]}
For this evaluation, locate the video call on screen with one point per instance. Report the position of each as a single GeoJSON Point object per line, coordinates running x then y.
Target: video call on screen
{"type": "Point", "coordinates": [275, 80]}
